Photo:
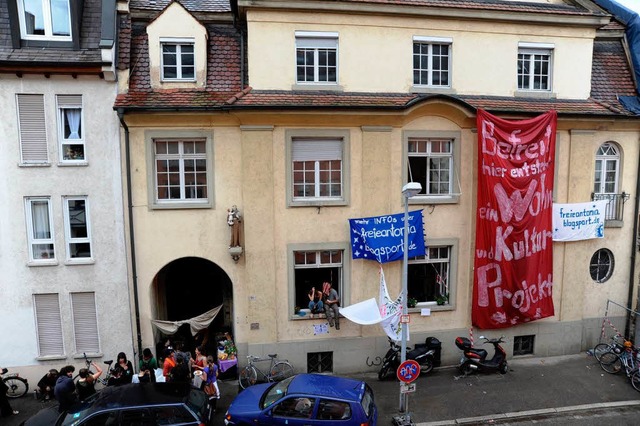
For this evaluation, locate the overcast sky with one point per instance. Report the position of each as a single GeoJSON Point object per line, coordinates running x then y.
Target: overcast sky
{"type": "Point", "coordinates": [631, 4]}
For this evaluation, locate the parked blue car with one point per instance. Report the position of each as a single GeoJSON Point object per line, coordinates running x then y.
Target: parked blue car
{"type": "Point", "coordinates": [305, 399]}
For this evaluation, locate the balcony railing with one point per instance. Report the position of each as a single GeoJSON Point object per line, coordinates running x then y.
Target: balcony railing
{"type": "Point", "coordinates": [615, 205]}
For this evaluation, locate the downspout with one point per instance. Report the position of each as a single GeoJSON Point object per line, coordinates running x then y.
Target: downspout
{"type": "Point", "coordinates": [134, 268]}
{"type": "Point", "coordinates": [632, 267]}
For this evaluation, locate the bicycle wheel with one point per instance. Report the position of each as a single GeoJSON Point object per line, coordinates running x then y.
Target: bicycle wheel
{"type": "Point", "coordinates": [610, 363]}
{"type": "Point", "coordinates": [248, 377]}
{"type": "Point", "coordinates": [18, 386]}
{"type": "Point", "coordinates": [281, 370]}
{"type": "Point", "coordinates": [635, 380]}
{"type": "Point", "coordinates": [601, 348]}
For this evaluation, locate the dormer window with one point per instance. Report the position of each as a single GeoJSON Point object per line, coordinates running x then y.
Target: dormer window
{"type": "Point", "coordinates": [45, 19]}
{"type": "Point", "coordinates": [178, 59]}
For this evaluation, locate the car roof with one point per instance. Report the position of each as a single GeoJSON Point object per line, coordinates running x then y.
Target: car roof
{"type": "Point", "coordinates": [138, 394]}
{"type": "Point", "coordinates": [327, 386]}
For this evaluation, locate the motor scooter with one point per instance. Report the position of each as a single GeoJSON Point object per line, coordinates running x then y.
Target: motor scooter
{"type": "Point", "coordinates": [476, 359]}
{"type": "Point", "coordinates": [423, 354]}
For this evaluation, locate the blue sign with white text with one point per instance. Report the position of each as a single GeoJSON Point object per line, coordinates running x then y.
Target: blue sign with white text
{"type": "Point", "coordinates": [381, 238]}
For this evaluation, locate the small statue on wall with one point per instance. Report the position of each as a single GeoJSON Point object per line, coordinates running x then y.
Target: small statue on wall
{"type": "Point", "coordinates": [234, 219]}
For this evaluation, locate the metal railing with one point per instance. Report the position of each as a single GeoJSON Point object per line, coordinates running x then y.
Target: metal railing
{"type": "Point", "coordinates": [615, 205]}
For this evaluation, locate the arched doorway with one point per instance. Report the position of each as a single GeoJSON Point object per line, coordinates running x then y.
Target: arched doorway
{"type": "Point", "coordinates": [188, 287]}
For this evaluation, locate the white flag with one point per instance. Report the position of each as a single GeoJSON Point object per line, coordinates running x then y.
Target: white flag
{"type": "Point", "coordinates": [391, 311]}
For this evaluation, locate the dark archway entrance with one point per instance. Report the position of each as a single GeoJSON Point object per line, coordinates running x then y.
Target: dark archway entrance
{"type": "Point", "coordinates": [188, 287]}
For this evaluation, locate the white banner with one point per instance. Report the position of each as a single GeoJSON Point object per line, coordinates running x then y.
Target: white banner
{"type": "Point", "coordinates": [579, 221]}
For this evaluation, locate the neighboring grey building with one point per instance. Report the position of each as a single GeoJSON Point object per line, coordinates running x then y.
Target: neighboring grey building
{"type": "Point", "coordinates": [64, 287]}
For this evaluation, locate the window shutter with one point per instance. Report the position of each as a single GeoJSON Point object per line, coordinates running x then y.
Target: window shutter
{"type": "Point", "coordinates": [49, 324]}
{"type": "Point", "coordinates": [316, 150]}
{"type": "Point", "coordinates": [85, 322]}
{"type": "Point", "coordinates": [33, 132]}
{"type": "Point", "coordinates": [69, 100]}
{"type": "Point", "coordinates": [317, 43]}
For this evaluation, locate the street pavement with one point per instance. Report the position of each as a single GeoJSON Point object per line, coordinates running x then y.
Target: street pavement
{"type": "Point", "coordinates": [534, 388]}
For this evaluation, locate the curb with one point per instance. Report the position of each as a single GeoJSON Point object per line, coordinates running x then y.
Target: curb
{"type": "Point", "coordinates": [532, 413]}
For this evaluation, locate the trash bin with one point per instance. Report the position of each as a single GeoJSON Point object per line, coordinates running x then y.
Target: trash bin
{"type": "Point", "coordinates": [436, 345]}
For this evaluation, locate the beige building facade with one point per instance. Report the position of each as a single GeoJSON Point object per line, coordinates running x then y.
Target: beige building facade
{"type": "Point", "coordinates": [311, 120]}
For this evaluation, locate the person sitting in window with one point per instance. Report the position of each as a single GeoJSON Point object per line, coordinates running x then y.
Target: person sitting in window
{"type": "Point", "coordinates": [316, 306]}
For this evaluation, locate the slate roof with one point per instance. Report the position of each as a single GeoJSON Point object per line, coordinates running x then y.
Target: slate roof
{"type": "Point", "coordinates": [190, 5]}
{"type": "Point", "coordinates": [88, 55]}
{"type": "Point", "coordinates": [494, 5]}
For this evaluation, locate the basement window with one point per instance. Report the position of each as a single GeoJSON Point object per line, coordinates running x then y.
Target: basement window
{"type": "Point", "coordinates": [523, 345]}
{"type": "Point", "coordinates": [320, 362]}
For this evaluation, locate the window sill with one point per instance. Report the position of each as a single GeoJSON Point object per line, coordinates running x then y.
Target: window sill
{"type": "Point", "coordinates": [435, 199]}
{"type": "Point", "coordinates": [34, 164]}
{"type": "Point", "coordinates": [73, 164]}
{"type": "Point", "coordinates": [317, 87]}
{"type": "Point", "coordinates": [297, 317]}
{"type": "Point", "coordinates": [317, 203]}
{"type": "Point", "coordinates": [181, 205]}
{"type": "Point", "coordinates": [82, 261]}
{"type": "Point", "coordinates": [50, 357]}
{"type": "Point", "coordinates": [89, 355]}
{"type": "Point", "coordinates": [445, 90]}
{"type": "Point", "coordinates": [431, 305]}
{"type": "Point", "coordinates": [48, 262]}
{"type": "Point", "coordinates": [613, 223]}
{"type": "Point", "coordinates": [535, 94]}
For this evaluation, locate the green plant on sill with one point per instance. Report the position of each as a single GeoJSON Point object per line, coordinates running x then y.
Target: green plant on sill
{"type": "Point", "coordinates": [412, 302]}
{"type": "Point", "coordinates": [442, 299]}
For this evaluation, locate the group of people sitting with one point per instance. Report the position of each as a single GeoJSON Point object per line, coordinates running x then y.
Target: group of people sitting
{"type": "Point", "coordinates": [325, 301]}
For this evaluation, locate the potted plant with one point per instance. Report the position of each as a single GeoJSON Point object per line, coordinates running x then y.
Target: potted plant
{"type": "Point", "coordinates": [411, 302]}
{"type": "Point", "coordinates": [442, 299]}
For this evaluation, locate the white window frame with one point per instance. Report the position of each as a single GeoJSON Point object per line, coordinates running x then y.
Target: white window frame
{"type": "Point", "coordinates": [48, 25]}
{"type": "Point", "coordinates": [67, 154]}
{"type": "Point", "coordinates": [48, 322]}
{"type": "Point", "coordinates": [179, 43]}
{"type": "Point", "coordinates": [326, 141]}
{"type": "Point", "coordinates": [152, 176]}
{"type": "Point", "coordinates": [431, 42]}
{"type": "Point", "coordinates": [32, 128]}
{"type": "Point", "coordinates": [608, 153]}
{"type": "Point", "coordinates": [317, 41]}
{"type": "Point", "coordinates": [449, 282]}
{"type": "Point", "coordinates": [531, 50]}
{"type": "Point", "coordinates": [69, 239]}
{"type": "Point", "coordinates": [454, 137]}
{"type": "Point", "coordinates": [341, 284]}
{"type": "Point", "coordinates": [47, 257]}
{"type": "Point", "coordinates": [85, 323]}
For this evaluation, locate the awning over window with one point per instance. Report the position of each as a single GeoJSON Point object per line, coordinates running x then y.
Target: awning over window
{"type": "Point", "coordinates": [196, 324]}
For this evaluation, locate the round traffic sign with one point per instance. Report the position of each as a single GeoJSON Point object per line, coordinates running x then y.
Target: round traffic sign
{"type": "Point", "coordinates": [408, 371]}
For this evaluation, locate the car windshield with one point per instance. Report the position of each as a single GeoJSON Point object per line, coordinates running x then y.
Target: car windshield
{"type": "Point", "coordinates": [275, 392]}
{"type": "Point", "coordinates": [367, 401]}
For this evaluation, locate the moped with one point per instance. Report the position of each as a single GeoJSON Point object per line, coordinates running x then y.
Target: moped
{"type": "Point", "coordinates": [423, 354]}
{"type": "Point", "coordinates": [476, 359]}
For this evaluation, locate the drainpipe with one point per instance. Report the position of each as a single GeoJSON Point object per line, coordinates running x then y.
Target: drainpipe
{"type": "Point", "coordinates": [632, 267]}
{"type": "Point", "coordinates": [134, 268]}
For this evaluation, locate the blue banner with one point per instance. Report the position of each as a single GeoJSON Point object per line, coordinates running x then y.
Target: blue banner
{"type": "Point", "coordinates": [381, 238]}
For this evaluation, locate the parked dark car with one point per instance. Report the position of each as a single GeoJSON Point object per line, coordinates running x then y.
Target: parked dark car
{"type": "Point", "coordinates": [133, 404]}
{"type": "Point", "coordinates": [305, 399]}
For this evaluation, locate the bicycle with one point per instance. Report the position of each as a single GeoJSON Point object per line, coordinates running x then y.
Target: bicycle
{"type": "Point", "coordinates": [17, 386]}
{"type": "Point", "coordinates": [278, 370]}
{"type": "Point", "coordinates": [614, 346]}
{"type": "Point", "coordinates": [104, 381]}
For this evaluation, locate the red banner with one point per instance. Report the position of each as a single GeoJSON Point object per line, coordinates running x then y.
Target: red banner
{"type": "Point", "coordinates": [513, 274]}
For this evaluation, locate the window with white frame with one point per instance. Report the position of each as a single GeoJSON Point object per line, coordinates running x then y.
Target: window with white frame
{"type": "Point", "coordinates": [77, 228]}
{"type": "Point", "coordinates": [433, 160]}
{"type": "Point", "coordinates": [429, 277]}
{"type": "Point", "coordinates": [48, 324]}
{"type": "Point", "coordinates": [432, 61]}
{"type": "Point", "coordinates": [45, 19]}
{"type": "Point", "coordinates": [316, 57]}
{"type": "Point", "coordinates": [311, 268]}
{"type": "Point", "coordinates": [40, 234]}
{"type": "Point", "coordinates": [534, 66]}
{"type": "Point", "coordinates": [606, 170]}
{"type": "Point", "coordinates": [317, 168]}
{"type": "Point", "coordinates": [70, 129]}
{"type": "Point", "coordinates": [85, 322]}
{"type": "Point", "coordinates": [178, 59]}
{"type": "Point", "coordinates": [181, 170]}
{"type": "Point", "coordinates": [32, 129]}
